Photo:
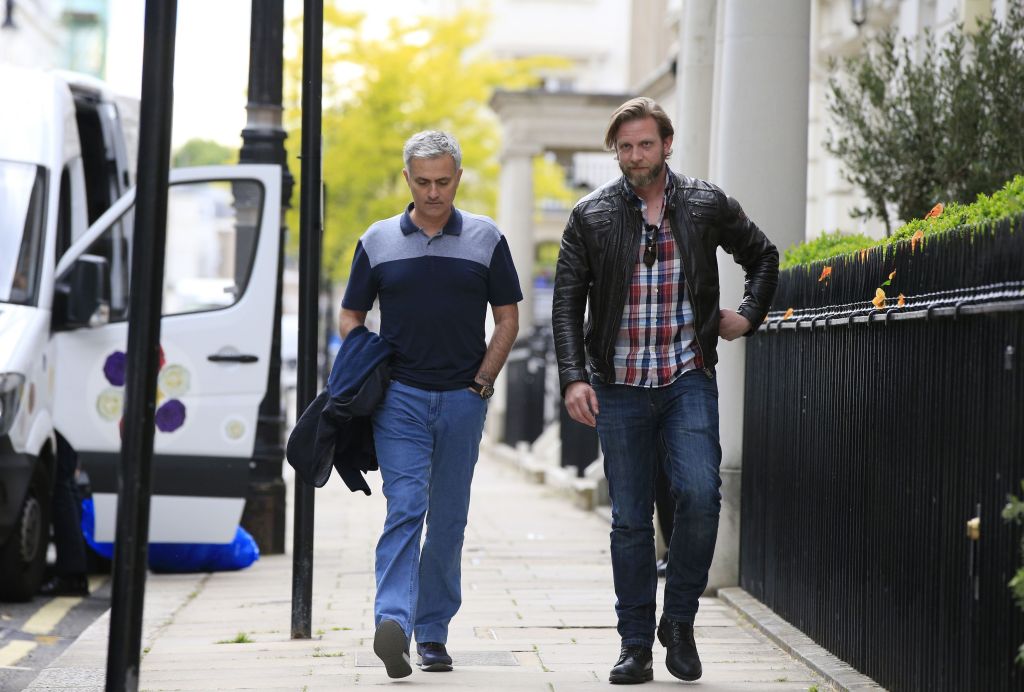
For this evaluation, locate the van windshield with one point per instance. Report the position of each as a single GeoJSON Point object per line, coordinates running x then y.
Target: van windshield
{"type": "Point", "coordinates": [22, 216]}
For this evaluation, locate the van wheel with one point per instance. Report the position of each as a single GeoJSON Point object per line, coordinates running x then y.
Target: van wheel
{"type": "Point", "coordinates": [23, 557]}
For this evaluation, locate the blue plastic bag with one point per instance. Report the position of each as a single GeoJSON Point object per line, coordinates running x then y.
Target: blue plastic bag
{"type": "Point", "coordinates": [183, 557]}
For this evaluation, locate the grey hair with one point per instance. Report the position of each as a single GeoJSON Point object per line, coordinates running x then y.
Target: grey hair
{"type": "Point", "coordinates": [430, 144]}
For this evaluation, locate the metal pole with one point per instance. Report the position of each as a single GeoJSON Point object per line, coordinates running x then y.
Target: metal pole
{"type": "Point", "coordinates": [132, 538]}
{"type": "Point", "coordinates": [9, 16]}
{"type": "Point", "coordinates": [263, 142]}
{"type": "Point", "coordinates": [310, 229]}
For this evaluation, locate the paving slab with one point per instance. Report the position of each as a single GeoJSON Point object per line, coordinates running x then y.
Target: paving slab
{"type": "Point", "coordinates": [538, 612]}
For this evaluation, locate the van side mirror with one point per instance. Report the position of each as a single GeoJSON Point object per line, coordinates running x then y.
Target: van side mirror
{"type": "Point", "coordinates": [82, 296]}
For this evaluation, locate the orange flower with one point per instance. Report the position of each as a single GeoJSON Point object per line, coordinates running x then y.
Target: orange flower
{"type": "Point", "coordinates": [936, 211]}
{"type": "Point", "coordinates": [879, 300]}
{"type": "Point", "coordinates": [789, 313]}
{"type": "Point", "coordinates": [825, 273]}
{"type": "Point", "coordinates": [918, 235]}
{"type": "Point", "coordinates": [892, 275]}
{"type": "Point", "coordinates": [900, 300]}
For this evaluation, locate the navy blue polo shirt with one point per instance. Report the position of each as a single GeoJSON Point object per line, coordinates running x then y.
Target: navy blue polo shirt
{"type": "Point", "coordinates": [433, 293]}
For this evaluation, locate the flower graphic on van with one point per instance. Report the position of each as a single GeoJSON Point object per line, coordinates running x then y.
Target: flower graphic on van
{"type": "Point", "coordinates": [110, 403]}
{"type": "Point", "coordinates": [170, 416]}
{"type": "Point", "coordinates": [172, 381]}
{"type": "Point", "coordinates": [114, 367]}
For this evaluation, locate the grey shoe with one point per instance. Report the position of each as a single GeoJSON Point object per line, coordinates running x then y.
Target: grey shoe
{"type": "Point", "coordinates": [392, 646]}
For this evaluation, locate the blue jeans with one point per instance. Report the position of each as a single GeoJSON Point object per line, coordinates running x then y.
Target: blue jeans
{"type": "Point", "coordinates": [427, 446]}
{"type": "Point", "coordinates": [685, 415]}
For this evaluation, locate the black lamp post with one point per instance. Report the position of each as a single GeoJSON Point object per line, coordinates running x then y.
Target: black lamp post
{"type": "Point", "coordinates": [135, 480]}
{"type": "Point", "coordinates": [310, 239]}
{"type": "Point", "coordinates": [263, 142]}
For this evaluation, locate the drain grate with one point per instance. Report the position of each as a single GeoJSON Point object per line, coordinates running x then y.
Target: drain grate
{"type": "Point", "coordinates": [366, 659]}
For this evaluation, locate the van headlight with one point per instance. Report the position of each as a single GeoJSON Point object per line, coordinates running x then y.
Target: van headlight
{"type": "Point", "coordinates": [11, 385]}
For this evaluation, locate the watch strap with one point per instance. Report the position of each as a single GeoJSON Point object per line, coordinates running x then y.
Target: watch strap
{"type": "Point", "coordinates": [484, 390]}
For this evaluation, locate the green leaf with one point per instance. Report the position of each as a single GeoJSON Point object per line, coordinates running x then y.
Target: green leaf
{"type": "Point", "coordinates": [982, 215]}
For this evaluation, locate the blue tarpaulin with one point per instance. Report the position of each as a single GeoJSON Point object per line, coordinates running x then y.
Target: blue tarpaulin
{"type": "Point", "coordinates": [183, 557]}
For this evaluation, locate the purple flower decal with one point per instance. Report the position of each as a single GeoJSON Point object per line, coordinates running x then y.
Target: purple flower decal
{"type": "Point", "coordinates": [113, 368]}
{"type": "Point", "coordinates": [170, 416]}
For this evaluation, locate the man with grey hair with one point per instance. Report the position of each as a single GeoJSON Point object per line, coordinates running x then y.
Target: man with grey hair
{"type": "Point", "coordinates": [434, 268]}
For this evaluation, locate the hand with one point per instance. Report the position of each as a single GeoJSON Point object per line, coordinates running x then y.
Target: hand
{"type": "Point", "coordinates": [581, 403]}
{"type": "Point", "coordinates": [732, 325]}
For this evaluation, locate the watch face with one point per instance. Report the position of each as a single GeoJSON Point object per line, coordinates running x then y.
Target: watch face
{"type": "Point", "coordinates": [486, 391]}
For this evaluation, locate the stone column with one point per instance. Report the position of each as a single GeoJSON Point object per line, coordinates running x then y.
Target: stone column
{"type": "Point", "coordinates": [694, 86]}
{"type": "Point", "coordinates": [515, 220]}
{"type": "Point", "coordinates": [760, 158]}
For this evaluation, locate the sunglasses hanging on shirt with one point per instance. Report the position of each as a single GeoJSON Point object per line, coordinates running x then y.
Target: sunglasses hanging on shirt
{"type": "Point", "coordinates": [651, 245]}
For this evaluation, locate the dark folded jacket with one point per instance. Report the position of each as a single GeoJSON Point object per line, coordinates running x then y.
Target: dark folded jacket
{"type": "Point", "coordinates": [336, 430]}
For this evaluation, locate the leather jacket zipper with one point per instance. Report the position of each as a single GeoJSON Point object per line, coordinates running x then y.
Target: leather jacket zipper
{"type": "Point", "coordinates": [623, 292]}
{"type": "Point", "coordinates": [708, 372]}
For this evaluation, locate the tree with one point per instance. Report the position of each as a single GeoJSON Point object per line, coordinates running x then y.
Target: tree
{"type": "Point", "coordinates": [945, 126]}
{"type": "Point", "coordinates": [426, 73]}
{"type": "Point", "coordinates": [203, 152]}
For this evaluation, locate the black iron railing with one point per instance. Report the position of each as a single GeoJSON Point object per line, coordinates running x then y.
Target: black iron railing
{"type": "Point", "coordinates": [872, 434]}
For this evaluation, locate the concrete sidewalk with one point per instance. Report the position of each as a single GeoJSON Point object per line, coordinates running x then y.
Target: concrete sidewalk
{"type": "Point", "coordinates": [537, 611]}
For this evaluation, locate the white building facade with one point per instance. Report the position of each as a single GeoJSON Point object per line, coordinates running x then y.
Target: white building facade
{"type": "Point", "coordinates": [745, 82]}
{"type": "Point", "coordinates": [31, 34]}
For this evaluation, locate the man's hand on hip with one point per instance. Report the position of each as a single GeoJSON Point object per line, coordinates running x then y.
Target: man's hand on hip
{"type": "Point", "coordinates": [732, 325]}
{"type": "Point", "coordinates": [581, 403]}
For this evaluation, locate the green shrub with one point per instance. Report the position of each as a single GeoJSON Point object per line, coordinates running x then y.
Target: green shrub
{"type": "Point", "coordinates": [982, 214]}
{"type": "Point", "coordinates": [826, 245]}
{"type": "Point", "coordinates": [921, 120]}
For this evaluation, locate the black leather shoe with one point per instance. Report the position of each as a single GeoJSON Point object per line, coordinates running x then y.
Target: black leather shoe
{"type": "Point", "coordinates": [65, 585]}
{"type": "Point", "coordinates": [635, 665]}
{"type": "Point", "coordinates": [392, 646]}
{"type": "Point", "coordinates": [681, 657]}
{"type": "Point", "coordinates": [434, 657]}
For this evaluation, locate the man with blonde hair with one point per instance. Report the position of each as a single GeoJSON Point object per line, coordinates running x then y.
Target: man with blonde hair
{"type": "Point", "coordinates": [641, 251]}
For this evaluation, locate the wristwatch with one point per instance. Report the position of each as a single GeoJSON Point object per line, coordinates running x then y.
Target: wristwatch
{"type": "Point", "coordinates": [485, 391]}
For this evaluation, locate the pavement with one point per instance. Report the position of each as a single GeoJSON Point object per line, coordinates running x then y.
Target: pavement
{"type": "Point", "coordinates": [537, 613]}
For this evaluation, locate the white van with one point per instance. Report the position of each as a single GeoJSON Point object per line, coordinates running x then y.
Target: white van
{"type": "Point", "coordinates": [67, 154]}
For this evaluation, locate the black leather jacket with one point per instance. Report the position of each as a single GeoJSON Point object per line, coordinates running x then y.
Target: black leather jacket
{"type": "Point", "coordinates": [598, 257]}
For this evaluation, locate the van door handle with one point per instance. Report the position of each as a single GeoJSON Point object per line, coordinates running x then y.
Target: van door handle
{"type": "Point", "coordinates": [232, 358]}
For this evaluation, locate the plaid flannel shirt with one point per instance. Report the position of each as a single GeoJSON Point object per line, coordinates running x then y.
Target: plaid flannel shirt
{"type": "Point", "coordinates": [656, 341]}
